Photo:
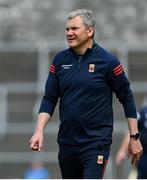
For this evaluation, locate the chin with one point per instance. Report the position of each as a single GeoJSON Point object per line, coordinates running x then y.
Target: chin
{"type": "Point", "coordinates": [72, 45]}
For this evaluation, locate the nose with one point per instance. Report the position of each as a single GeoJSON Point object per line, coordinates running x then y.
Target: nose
{"type": "Point", "coordinates": [69, 32]}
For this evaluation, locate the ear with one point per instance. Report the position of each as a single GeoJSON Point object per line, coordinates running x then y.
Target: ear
{"type": "Point", "coordinates": [90, 32]}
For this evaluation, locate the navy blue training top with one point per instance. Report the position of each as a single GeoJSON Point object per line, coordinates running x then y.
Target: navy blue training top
{"type": "Point", "coordinates": [85, 86]}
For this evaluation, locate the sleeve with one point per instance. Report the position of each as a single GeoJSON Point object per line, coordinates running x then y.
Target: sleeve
{"type": "Point", "coordinates": [121, 86]}
{"type": "Point", "coordinates": [142, 118]}
{"type": "Point", "coordinates": [51, 94]}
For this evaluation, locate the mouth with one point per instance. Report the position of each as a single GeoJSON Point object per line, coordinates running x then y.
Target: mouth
{"type": "Point", "coordinates": [70, 40]}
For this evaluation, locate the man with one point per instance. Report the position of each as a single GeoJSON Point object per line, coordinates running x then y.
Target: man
{"type": "Point", "coordinates": [121, 154]}
{"type": "Point", "coordinates": [84, 77]}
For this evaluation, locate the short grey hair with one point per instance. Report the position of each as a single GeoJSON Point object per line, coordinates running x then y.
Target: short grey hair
{"type": "Point", "coordinates": [86, 15]}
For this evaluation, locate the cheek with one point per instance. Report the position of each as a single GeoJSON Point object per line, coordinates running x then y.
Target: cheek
{"type": "Point", "coordinates": [83, 36]}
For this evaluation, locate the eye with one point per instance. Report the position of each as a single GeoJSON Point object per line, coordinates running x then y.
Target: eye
{"type": "Point", "coordinates": [75, 28]}
{"type": "Point", "coordinates": [67, 29]}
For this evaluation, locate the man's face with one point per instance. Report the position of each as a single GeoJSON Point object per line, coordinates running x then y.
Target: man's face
{"type": "Point", "coordinates": [76, 32]}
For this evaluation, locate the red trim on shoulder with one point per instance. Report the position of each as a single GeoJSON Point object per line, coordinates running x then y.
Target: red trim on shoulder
{"type": "Point", "coordinates": [52, 69]}
{"type": "Point", "coordinates": [118, 70]}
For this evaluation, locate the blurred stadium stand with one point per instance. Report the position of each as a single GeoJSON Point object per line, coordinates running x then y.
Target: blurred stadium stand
{"type": "Point", "coordinates": [30, 35]}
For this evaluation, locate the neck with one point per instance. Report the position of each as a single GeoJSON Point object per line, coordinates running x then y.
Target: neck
{"type": "Point", "coordinates": [83, 47]}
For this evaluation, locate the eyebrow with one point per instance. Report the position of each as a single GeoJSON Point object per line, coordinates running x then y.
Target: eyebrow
{"type": "Point", "coordinates": [74, 27]}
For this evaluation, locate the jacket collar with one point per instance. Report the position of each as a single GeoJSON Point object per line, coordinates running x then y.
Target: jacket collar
{"type": "Point", "coordinates": [88, 49]}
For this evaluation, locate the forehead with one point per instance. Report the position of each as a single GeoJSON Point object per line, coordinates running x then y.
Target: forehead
{"type": "Point", "coordinates": [76, 21]}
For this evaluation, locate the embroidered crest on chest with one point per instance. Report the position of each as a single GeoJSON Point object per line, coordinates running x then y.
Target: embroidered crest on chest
{"type": "Point", "coordinates": [91, 68]}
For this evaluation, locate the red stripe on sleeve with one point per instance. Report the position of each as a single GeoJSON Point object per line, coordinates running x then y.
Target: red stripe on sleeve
{"type": "Point", "coordinates": [118, 70]}
{"type": "Point", "coordinates": [52, 69]}
{"type": "Point", "coordinates": [117, 67]}
{"type": "Point", "coordinates": [116, 74]}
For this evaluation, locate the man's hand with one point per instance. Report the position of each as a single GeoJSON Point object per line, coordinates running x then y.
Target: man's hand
{"type": "Point", "coordinates": [36, 142]}
{"type": "Point", "coordinates": [135, 150]}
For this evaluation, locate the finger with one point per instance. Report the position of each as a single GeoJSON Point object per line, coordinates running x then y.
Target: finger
{"type": "Point", "coordinates": [40, 146]}
{"type": "Point", "coordinates": [138, 156]}
{"type": "Point", "coordinates": [34, 149]}
{"type": "Point", "coordinates": [34, 146]}
{"type": "Point", "coordinates": [134, 159]}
